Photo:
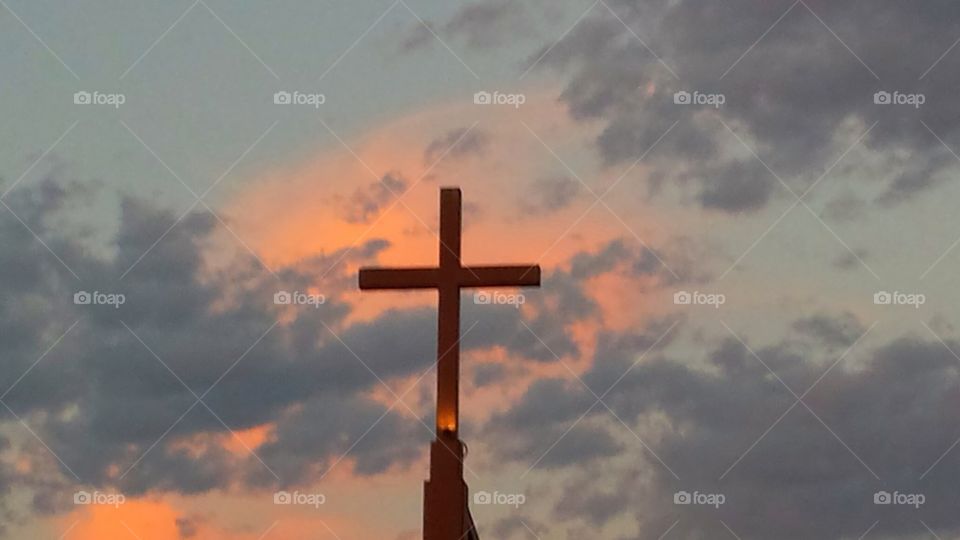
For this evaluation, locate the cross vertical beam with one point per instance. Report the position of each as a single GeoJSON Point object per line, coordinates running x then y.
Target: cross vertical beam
{"type": "Point", "coordinates": [448, 314]}
{"type": "Point", "coordinates": [446, 512]}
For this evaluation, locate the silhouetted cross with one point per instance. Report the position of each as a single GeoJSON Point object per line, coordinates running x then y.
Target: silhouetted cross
{"type": "Point", "coordinates": [448, 278]}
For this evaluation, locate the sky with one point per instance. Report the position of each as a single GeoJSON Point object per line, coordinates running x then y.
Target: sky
{"type": "Point", "coordinates": [745, 212]}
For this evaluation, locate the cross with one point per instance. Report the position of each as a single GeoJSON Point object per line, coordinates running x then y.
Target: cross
{"type": "Point", "coordinates": [446, 516]}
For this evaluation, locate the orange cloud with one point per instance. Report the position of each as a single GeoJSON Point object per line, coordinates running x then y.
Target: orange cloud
{"type": "Point", "coordinates": [290, 214]}
{"type": "Point", "coordinates": [213, 517]}
{"type": "Point", "coordinates": [132, 519]}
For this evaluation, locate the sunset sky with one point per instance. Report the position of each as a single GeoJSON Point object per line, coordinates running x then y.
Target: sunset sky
{"type": "Point", "coordinates": [745, 212]}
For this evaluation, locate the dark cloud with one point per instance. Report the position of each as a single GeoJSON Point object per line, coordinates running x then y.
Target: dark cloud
{"type": "Point", "coordinates": [844, 208]}
{"type": "Point", "coordinates": [916, 177]}
{"type": "Point", "coordinates": [456, 143]}
{"type": "Point", "coordinates": [487, 24]}
{"type": "Point", "coordinates": [531, 426]}
{"type": "Point", "coordinates": [8, 478]}
{"type": "Point", "coordinates": [837, 331]}
{"type": "Point", "coordinates": [417, 37]}
{"type": "Point", "coordinates": [210, 336]}
{"type": "Point", "coordinates": [187, 527]}
{"type": "Point", "coordinates": [597, 505]}
{"type": "Point", "coordinates": [129, 377]}
{"type": "Point", "coordinates": [513, 527]}
{"type": "Point", "coordinates": [848, 261]}
{"type": "Point", "coordinates": [718, 427]}
{"type": "Point", "coordinates": [799, 96]}
{"type": "Point", "coordinates": [488, 373]}
{"type": "Point", "coordinates": [736, 187]}
{"type": "Point", "coordinates": [480, 24]}
{"type": "Point", "coordinates": [366, 202]}
{"type": "Point", "coordinates": [550, 194]}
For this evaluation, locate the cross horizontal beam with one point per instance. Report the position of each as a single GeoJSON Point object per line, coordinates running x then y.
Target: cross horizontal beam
{"type": "Point", "coordinates": [399, 278]}
{"type": "Point", "coordinates": [469, 276]}
{"type": "Point", "coordinates": [500, 276]}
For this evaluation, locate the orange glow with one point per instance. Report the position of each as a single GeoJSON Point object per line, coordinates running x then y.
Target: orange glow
{"type": "Point", "coordinates": [158, 520]}
{"type": "Point", "coordinates": [239, 442]}
{"type": "Point", "coordinates": [446, 420]}
{"type": "Point", "coordinates": [289, 215]}
{"type": "Point", "coordinates": [133, 519]}
{"type": "Point", "coordinates": [242, 442]}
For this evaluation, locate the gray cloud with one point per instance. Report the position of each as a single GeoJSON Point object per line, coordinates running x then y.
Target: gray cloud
{"type": "Point", "coordinates": [847, 260]}
{"type": "Point", "coordinates": [837, 331]}
{"type": "Point", "coordinates": [550, 194]}
{"type": "Point", "coordinates": [132, 404]}
{"type": "Point", "coordinates": [487, 24]}
{"type": "Point", "coordinates": [892, 410]}
{"type": "Point", "coordinates": [205, 331]}
{"type": "Point", "coordinates": [794, 96]}
{"type": "Point", "coordinates": [456, 143]}
{"type": "Point", "coordinates": [366, 202]}
{"type": "Point", "coordinates": [480, 24]}
{"type": "Point", "coordinates": [737, 186]}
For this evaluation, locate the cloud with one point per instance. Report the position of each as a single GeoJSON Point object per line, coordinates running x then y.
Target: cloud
{"type": "Point", "coordinates": [847, 260]}
{"type": "Point", "coordinates": [481, 25]}
{"type": "Point", "coordinates": [550, 194]}
{"type": "Point", "coordinates": [486, 24]}
{"type": "Point", "coordinates": [737, 187]}
{"type": "Point", "coordinates": [845, 208]}
{"type": "Point", "coordinates": [727, 425]}
{"type": "Point", "coordinates": [130, 376]}
{"type": "Point", "coordinates": [838, 331]}
{"type": "Point", "coordinates": [456, 143]}
{"type": "Point", "coordinates": [116, 399]}
{"type": "Point", "coordinates": [799, 107]}
{"type": "Point", "coordinates": [365, 203]}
